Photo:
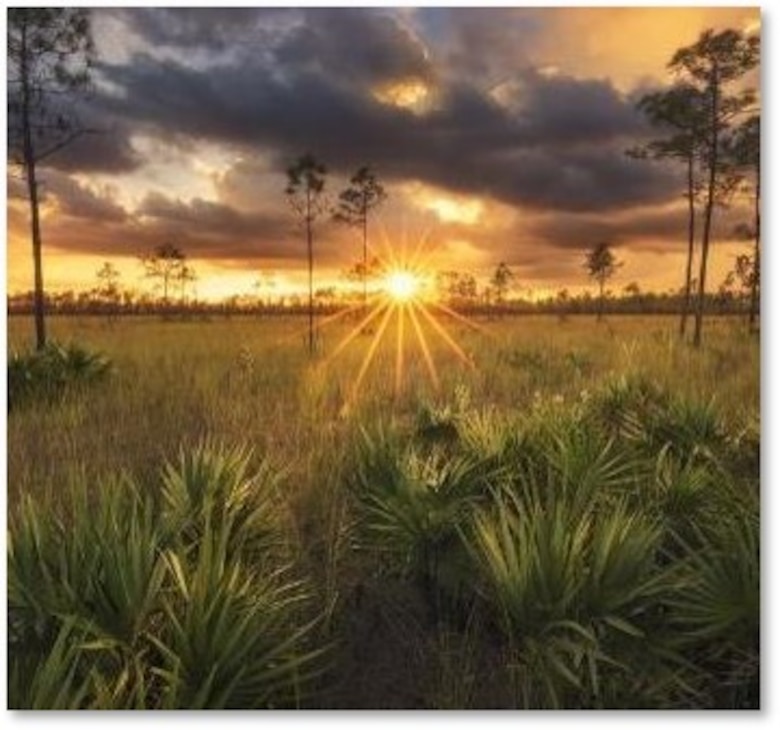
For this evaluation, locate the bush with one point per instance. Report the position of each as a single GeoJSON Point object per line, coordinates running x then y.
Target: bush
{"type": "Point", "coordinates": [115, 603]}
{"type": "Point", "coordinates": [51, 373]}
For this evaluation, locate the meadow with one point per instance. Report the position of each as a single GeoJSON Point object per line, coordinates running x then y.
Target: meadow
{"type": "Point", "coordinates": [556, 513]}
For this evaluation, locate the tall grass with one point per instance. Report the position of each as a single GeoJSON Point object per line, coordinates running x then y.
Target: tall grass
{"type": "Point", "coordinates": [572, 524]}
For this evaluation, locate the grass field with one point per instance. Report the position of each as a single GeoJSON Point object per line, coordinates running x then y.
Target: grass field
{"type": "Point", "coordinates": [554, 513]}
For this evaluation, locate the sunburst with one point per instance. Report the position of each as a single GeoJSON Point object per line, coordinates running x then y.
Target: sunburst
{"type": "Point", "coordinates": [405, 293]}
{"type": "Point", "coordinates": [402, 286]}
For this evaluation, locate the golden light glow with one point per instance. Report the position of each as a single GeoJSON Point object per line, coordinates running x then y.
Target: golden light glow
{"type": "Point", "coordinates": [402, 285]}
{"type": "Point", "coordinates": [404, 94]}
{"type": "Point", "coordinates": [447, 206]}
{"type": "Point", "coordinates": [450, 210]}
{"type": "Point", "coordinates": [406, 294]}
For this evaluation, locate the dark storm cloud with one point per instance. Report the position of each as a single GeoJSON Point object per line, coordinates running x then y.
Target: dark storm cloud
{"type": "Point", "coordinates": [203, 230]}
{"type": "Point", "coordinates": [74, 131]}
{"type": "Point", "coordinates": [557, 142]}
{"type": "Point", "coordinates": [288, 81]}
{"type": "Point", "coordinates": [200, 218]}
{"type": "Point", "coordinates": [194, 28]}
{"type": "Point", "coordinates": [557, 108]}
{"type": "Point", "coordinates": [210, 230]}
{"type": "Point", "coordinates": [75, 200]}
{"type": "Point", "coordinates": [482, 44]}
{"type": "Point", "coordinates": [659, 230]}
{"type": "Point", "coordinates": [356, 45]}
{"type": "Point", "coordinates": [105, 147]}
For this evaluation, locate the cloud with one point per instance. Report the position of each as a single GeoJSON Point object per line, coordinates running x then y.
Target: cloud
{"type": "Point", "coordinates": [551, 141]}
{"type": "Point", "coordinates": [660, 229]}
{"type": "Point", "coordinates": [75, 131]}
{"type": "Point", "coordinates": [104, 148]}
{"type": "Point", "coordinates": [194, 28]}
{"type": "Point", "coordinates": [77, 201]}
{"type": "Point", "coordinates": [213, 230]}
{"type": "Point", "coordinates": [83, 221]}
{"type": "Point", "coordinates": [361, 46]}
{"type": "Point", "coordinates": [491, 121]}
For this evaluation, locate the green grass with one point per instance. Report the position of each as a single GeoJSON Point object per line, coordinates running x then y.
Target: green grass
{"type": "Point", "coordinates": [570, 520]}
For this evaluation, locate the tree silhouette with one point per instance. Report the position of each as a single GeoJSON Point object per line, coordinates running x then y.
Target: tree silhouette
{"type": "Point", "coordinates": [186, 276]}
{"type": "Point", "coordinates": [362, 271]}
{"type": "Point", "coordinates": [501, 281]}
{"type": "Point", "coordinates": [49, 56]}
{"type": "Point", "coordinates": [745, 150]}
{"type": "Point", "coordinates": [601, 265]}
{"type": "Point", "coordinates": [265, 283]}
{"type": "Point", "coordinates": [457, 287]}
{"type": "Point", "coordinates": [355, 203]}
{"type": "Point", "coordinates": [711, 64]}
{"type": "Point", "coordinates": [681, 112]}
{"type": "Point", "coordinates": [305, 190]}
{"type": "Point", "coordinates": [632, 290]}
{"type": "Point", "coordinates": [107, 290]}
{"type": "Point", "coordinates": [166, 264]}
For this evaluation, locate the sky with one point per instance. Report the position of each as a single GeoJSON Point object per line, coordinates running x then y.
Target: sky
{"type": "Point", "coordinates": [498, 133]}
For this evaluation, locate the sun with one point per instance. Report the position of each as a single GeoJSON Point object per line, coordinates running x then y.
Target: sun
{"type": "Point", "coordinates": [402, 286]}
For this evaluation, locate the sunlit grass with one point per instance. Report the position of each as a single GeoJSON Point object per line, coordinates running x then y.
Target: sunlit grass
{"type": "Point", "coordinates": [393, 480]}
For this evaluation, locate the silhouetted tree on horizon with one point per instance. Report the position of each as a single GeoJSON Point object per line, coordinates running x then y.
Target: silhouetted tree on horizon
{"type": "Point", "coordinates": [501, 281]}
{"type": "Point", "coordinates": [305, 189]}
{"type": "Point", "coordinates": [601, 265]}
{"type": "Point", "coordinates": [680, 110]}
{"type": "Point", "coordinates": [363, 194]}
{"type": "Point", "coordinates": [710, 65]}
{"type": "Point", "coordinates": [107, 290]}
{"type": "Point", "coordinates": [49, 56]}
{"type": "Point", "coordinates": [745, 151]}
{"type": "Point", "coordinates": [166, 263]}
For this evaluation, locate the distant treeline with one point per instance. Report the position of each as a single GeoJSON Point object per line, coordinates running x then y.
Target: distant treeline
{"type": "Point", "coordinates": [645, 303]}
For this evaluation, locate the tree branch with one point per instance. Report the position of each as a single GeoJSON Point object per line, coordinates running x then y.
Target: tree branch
{"type": "Point", "coordinates": [72, 137]}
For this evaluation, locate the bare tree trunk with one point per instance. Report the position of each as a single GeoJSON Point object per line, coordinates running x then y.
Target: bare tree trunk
{"type": "Point", "coordinates": [691, 236]}
{"type": "Point", "coordinates": [39, 305]}
{"type": "Point", "coordinates": [705, 243]}
{"type": "Point", "coordinates": [32, 188]}
{"type": "Point", "coordinates": [601, 300]}
{"type": "Point", "coordinates": [365, 252]}
{"type": "Point", "coordinates": [310, 251]}
{"type": "Point", "coordinates": [756, 250]}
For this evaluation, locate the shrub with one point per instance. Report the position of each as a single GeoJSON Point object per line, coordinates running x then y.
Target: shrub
{"type": "Point", "coordinates": [574, 594]}
{"type": "Point", "coordinates": [51, 373]}
{"type": "Point", "coordinates": [410, 504]}
{"type": "Point", "coordinates": [129, 606]}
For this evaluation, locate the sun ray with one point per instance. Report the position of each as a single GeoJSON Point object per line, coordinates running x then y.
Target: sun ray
{"type": "Point", "coordinates": [386, 255]}
{"type": "Point", "coordinates": [425, 350]}
{"type": "Point", "coordinates": [321, 323]}
{"type": "Point", "coordinates": [403, 291]}
{"type": "Point", "coordinates": [456, 348]}
{"type": "Point", "coordinates": [463, 320]}
{"type": "Point", "coordinates": [420, 258]}
{"type": "Point", "coordinates": [351, 309]}
{"type": "Point", "coordinates": [367, 360]}
{"type": "Point", "coordinates": [399, 351]}
{"type": "Point", "coordinates": [352, 334]}
{"type": "Point", "coordinates": [415, 260]}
